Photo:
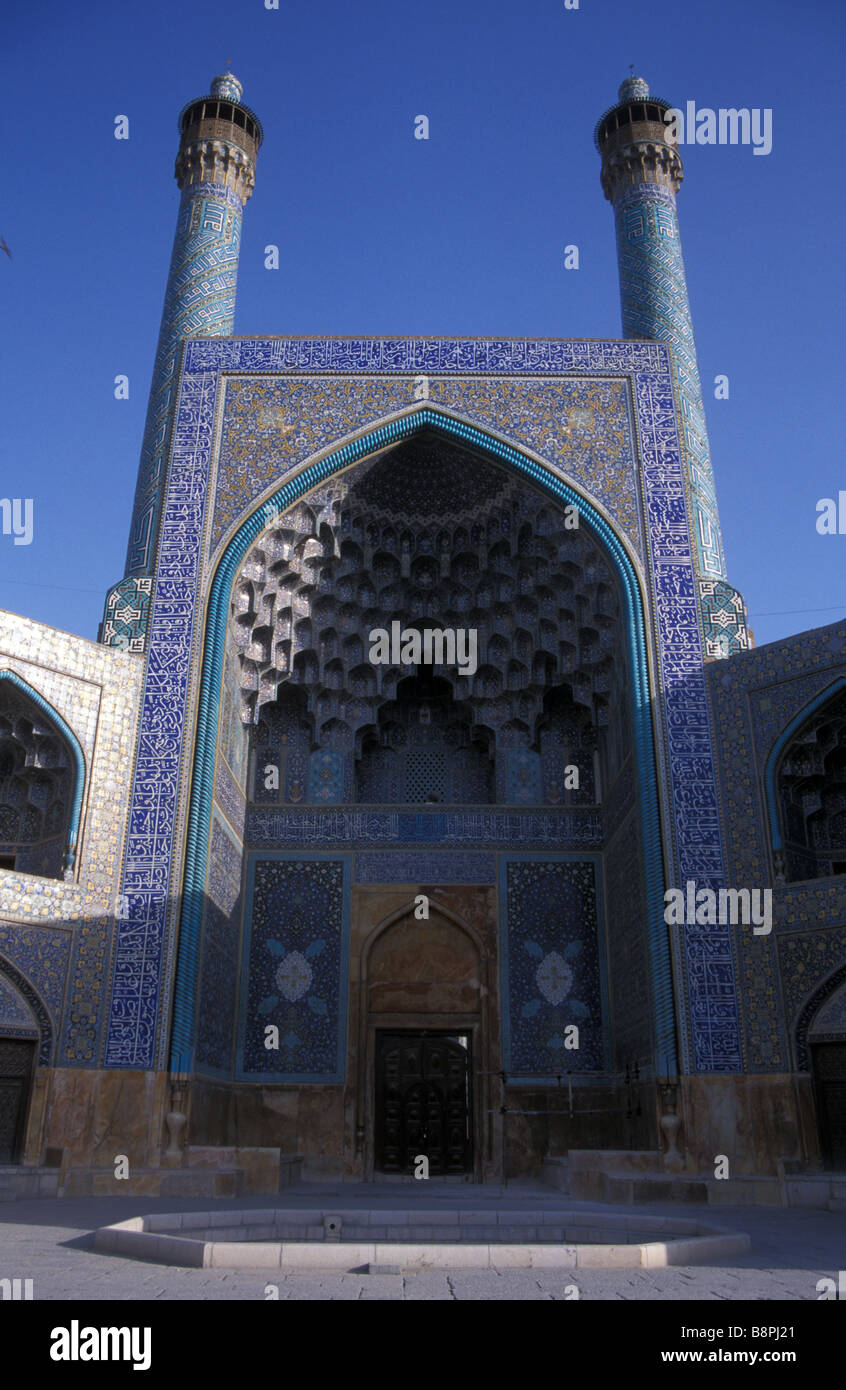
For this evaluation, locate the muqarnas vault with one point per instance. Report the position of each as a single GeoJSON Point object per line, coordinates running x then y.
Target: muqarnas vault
{"type": "Point", "coordinates": [269, 907]}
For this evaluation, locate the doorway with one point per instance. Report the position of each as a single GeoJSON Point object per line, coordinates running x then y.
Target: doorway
{"type": "Point", "coordinates": [423, 1102]}
{"type": "Point", "coordinates": [828, 1062]}
{"type": "Point", "coordinates": [17, 1058]}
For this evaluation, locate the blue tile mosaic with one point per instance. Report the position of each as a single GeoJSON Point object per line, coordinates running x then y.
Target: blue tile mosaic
{"type": "Point", "coordinates": [424, 868]}
{"type": "Point", "coordinates": [295, 968]}
{"type": "Point", "coordinates": [219, 966]}
{"type": "Point", "coordinates": [551, 976]}
{"type": "Point", "coordinates": [35, 961]}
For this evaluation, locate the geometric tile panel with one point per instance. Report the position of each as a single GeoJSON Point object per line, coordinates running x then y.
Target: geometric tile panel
{"type": "Point", "coordinates": [295, 969]}
{"type": "Point", "coordinates": [551, 970]}
{"type": "Point", "coordinates": [523, 776]}
{"type": "Point", "coordinates": [326, 777]}
{"type": "Point", "coordinates": [126, 614]}
{"type": "Point", "coordinates": [724, 616]}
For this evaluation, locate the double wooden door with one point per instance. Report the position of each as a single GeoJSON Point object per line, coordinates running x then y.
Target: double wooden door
{"type": "Point", "coordinates": [423, 1106]}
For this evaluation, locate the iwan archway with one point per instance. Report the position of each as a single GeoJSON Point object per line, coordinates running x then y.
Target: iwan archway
{"type": "Point", "coordinates": [516, 464]}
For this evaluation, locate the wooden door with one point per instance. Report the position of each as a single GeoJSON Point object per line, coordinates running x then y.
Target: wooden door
{"type": "Point", "coordinates": [423, 1103]}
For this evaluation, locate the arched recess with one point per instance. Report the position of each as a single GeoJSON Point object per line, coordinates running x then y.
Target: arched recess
{"type": "Point", "coordinates": [36, 1006]}
{"type": "Point", "coordinates": [26, 1043]}
{"type": "Point", "coordinates": [808, 1013]}
{"type": "Point", "coordinates": [821, 1050]}
{"type": "Point", "coordinates": [64, 731]}
{"type": "Point", "coordinates": [774, 764]}
{"type": "Point", "coordinates": [461, 1004]}
{"type": "Point", "coordinates": [565, 494]}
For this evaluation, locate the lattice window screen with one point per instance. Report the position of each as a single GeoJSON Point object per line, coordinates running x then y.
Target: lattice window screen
{"type": "Point", "coordinates": [425, 774]}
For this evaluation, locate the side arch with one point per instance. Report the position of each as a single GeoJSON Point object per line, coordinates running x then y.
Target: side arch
{"type": "Point", "coordinates": [774, 760]}
{"type": "Point", "coordinates": [599, 526]}
{"type": "Point", "coordinates": [808, 1013]}
{"type": "Point", "coordinates": [67, 733]}
{"type": "Point", "coordinates": [36, 1005]}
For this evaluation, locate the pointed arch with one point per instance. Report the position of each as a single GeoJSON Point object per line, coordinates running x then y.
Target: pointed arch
{"type": "Point", "coordinates": [777, 752]}
{"type": "Point", "coordinates": [77, 755]}
{"type": "Point", "coordinates": [530, 469]}
{"type": "Point", "coordinates": [36, 1005]}
{"type": "Point", "coordinates": [808, 1013]}
{"type": "Point", "coordinates": [400, 913]}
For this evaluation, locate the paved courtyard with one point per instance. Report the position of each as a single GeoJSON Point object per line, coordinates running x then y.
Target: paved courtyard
{"type": "Point", "coordinates": [51, 1242]}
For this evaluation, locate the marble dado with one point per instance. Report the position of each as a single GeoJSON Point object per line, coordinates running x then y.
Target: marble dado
{"type": "Point", "coordinates": [96, 1114]}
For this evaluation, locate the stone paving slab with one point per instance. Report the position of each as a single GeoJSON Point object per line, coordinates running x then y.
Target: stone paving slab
{"type": "Point", "coordinates": [50, 1241]}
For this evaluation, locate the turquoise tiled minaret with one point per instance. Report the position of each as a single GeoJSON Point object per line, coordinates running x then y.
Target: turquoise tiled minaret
{"type": "Point", "coordinates": [641, 175]}
{"type": "Point", "coordinates": [215, 169]}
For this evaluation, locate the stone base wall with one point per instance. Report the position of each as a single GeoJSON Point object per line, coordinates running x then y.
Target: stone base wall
{"type": "Point", "coordinates": [753, 1120]}
{"type": "Point", "coordinates": [539, 1124]}
{"type": "Point", "coordinates": [95, 1115]}
{"type": "Point", "coordinates": [304, 1121]}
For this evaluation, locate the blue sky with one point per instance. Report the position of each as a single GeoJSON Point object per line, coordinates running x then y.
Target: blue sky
{"type": "Point", "coordinates": [382, 233]}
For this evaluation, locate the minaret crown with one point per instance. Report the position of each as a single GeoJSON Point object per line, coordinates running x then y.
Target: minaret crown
{"type": "Point", "coordinates": [633, 89]}
{"type": "Point", "coordinates": [220, 139]}
{"type": "Point", "coordinates": [227, 86]}
{"type": "Point", "coordinates": [632, 138]}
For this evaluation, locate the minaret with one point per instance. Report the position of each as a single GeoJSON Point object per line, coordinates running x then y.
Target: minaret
{"type": "Point", "coordinates": [215, 169]}
{"type": "Point", "coordinates": [641, 175]}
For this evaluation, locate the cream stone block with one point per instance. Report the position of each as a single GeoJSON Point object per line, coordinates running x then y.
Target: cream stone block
{"type": "Point", "coordinates": [242, 1254]}
{"type": "Point", "coordinates": [341, 1257]}
{"type": "Point", "coordinates": [608, 1257]}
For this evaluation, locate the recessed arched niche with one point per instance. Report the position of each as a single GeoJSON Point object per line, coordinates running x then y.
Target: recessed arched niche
{"type": "Point", "coordinates": [423, 967]}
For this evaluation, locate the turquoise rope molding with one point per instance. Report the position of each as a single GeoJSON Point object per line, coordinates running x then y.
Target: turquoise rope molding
{"type": "Point", "coordinates": [202, 787]}
{"type": "Point", "coordinates": [76, 750]}
{"type": "Point", "coordinates": [778, 748]}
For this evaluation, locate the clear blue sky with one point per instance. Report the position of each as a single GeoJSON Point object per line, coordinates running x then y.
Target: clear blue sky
{"type": "Point", "coordinates": [382, 233]}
